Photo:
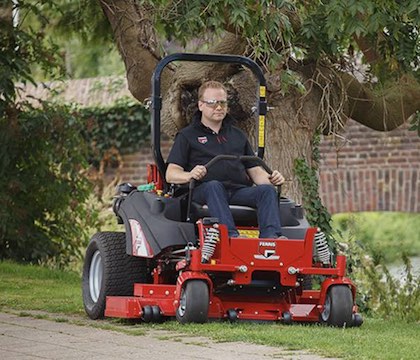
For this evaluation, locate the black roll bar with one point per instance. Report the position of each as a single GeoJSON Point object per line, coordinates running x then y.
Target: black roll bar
{"type": "Point", "coordinates": [156, 101]}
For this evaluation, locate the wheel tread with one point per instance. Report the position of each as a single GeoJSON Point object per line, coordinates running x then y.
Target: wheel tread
{"type": "Point", "coordinates": [120, 270]}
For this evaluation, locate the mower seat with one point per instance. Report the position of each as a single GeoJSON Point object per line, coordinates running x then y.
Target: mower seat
{"type": "Point", "coordinates": [242, 215]}
{"type": "Point", "coordinates": [247, 216]}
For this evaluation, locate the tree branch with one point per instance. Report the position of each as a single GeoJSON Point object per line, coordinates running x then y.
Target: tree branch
{"type": "Point", "coordinates": [386, 110]}
{"type": "Point", "coordinates": [136, 40]}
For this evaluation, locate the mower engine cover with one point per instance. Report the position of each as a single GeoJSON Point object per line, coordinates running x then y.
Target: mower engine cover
{"type": "Point", "coordinates": [148, 229]}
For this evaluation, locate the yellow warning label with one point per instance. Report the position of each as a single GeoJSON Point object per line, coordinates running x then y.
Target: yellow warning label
{"type": "Point", "coordinates": [262, 91]}
{"type": "Point", "coordinates": [249, 233]}
{"type": "Point", "coordinates": [261, 131]}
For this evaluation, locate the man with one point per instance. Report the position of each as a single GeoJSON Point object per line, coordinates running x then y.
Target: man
{"type": "Point", "coordinates": [228, 181]}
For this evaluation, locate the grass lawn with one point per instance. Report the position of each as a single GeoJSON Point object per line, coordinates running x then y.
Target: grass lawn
{"type": "Point", "coordinates": [24, 287]}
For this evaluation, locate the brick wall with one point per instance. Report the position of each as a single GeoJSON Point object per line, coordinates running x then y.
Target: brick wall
{"type": "Point", "coordinates": [371, 170]}
{"type": "Point", "coordinates": [368, 171]}
{"type": "Point", "coordinates": [134, 169]}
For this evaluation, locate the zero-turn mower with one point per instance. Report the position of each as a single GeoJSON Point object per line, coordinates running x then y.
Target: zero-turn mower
{"type": "Point", "coordinates": [174, 260]}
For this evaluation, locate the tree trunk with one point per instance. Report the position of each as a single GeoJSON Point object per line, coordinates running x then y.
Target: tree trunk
{"type": "Point", "coordinates": [293, 120]}
{"type": "Point", "coordinates": [136, 41]}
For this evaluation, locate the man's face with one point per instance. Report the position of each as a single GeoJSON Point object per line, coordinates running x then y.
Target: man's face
{"type": "Point", "coordinates": [213, 104]}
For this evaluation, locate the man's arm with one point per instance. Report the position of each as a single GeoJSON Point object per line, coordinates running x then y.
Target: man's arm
{"type": "Point", "coordinates": [175, 174]}
{"type": "Point", "coordinates": [260, 177]}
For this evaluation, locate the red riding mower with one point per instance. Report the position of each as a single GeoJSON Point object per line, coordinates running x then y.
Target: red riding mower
{"type": "Point", "coordinates": [175, 260]}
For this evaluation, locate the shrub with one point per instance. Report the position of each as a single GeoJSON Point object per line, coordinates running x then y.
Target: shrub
{"type": "Point", "coordinates": [388, 234]}
{"type": "Point", "coordinates": [378, 292]}
{"type": "Point", "coordinates": [42, 186]}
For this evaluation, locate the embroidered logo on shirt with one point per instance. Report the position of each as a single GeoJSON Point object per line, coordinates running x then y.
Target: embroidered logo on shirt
{"type": "Point", "coordinates": [202, 139]}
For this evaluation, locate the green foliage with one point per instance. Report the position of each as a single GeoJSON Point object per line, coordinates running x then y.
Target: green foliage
{"type": "Point", "coordinates": [82, 17]}
{"type": "Point", "coordinates": [42, 186]}
{"type": "Point", "coordinates": [378, 292]}
{"type": "Point", "coordinates": [280, 31]}
{"type": "Point", "coordinates": [415, 123]}
{"type": "Point", "coordinates": [266, 26]}
{"type": "Point", "coordinates": [124, 127]}
{"type": "Point", "coordinates": [264, 23]}
{"type": "Point", "coordinates": [91, 60]}
{"type": "Point", "coordinates": [387, 234]}
{"type": "Point", "coordinates": [316, 213]}
{"type": "Point", "coordinates": [18, 50]}
{"type": "Point", "coordinates": [81, 35]}
{"type": "Point", "coordinates": [390, 27]}
{"type": "Point", "coordinates": [42, 155]}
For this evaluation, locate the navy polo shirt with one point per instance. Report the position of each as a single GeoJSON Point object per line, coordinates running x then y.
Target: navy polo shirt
{"type": "Point", "coordinates": [197, 144]}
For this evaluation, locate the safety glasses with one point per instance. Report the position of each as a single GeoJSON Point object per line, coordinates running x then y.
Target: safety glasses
{"type": "Point", "coordinates": [215, 103]}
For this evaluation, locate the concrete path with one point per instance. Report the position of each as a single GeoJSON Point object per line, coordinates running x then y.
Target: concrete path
{"type": "Point", "coordinates": [27, 338]}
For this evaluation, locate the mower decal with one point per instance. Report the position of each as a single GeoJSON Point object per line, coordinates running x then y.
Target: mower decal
{"type": "Point", "coordinates": [266, 251]}
{"type": "Point", "coordinates": [140, 245]}
{"type": "Point", "coordinates": [202, 139]}
{"type": "Point", "coordinates": [261, 131]}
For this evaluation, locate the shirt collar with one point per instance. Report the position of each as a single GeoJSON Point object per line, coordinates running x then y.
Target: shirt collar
{"type": "Point", "coordinates": [196, 121]}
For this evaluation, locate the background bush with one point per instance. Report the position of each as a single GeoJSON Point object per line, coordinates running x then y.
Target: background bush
{"type": "Point", "coordinates": [42, 185]}
{"type": "Point", "coordinates": [371, 241]}
{"type": "Point", "coordinates": [387, 234]}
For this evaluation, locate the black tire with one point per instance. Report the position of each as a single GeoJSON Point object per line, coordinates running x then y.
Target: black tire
{"type": "Point", "coordinates": [194, 302]}
{"type": "Point", "coordinates": [357, 319]}
{"type": "Point", "coordinates": [109, 271]}
{"type": "Point", "coordinates": [156, 314]}
{"type": "Point", "coordinates": [232, 315]}
{"type": "Point", "coordinates": [287, 318]}
{"type": "Point", "coordinates": [307, 282]}
{"type": "Point", "coordinates": [338, 307]}
{"type": "Point", "coordinates": [147, 314]}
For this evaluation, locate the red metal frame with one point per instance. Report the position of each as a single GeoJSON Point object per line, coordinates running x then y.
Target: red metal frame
{"type": "Point", "coordinates": [240, 258]}
{"type": "Point", "coordinates": [153, 176]}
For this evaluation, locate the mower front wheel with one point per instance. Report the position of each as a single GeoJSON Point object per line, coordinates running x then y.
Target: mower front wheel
{"type": "Point", "coordinates": [194, 303]}
{"type": "Point", "coordinates": [338, 307]}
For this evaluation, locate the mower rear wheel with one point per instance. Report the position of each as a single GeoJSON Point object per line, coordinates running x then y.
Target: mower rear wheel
{"type": "Point", "coordinates": [194, 302]}
{"type": "Point", "coordinates": [338, 307]}
{"type": "Point", "coordinates": [109, 271]}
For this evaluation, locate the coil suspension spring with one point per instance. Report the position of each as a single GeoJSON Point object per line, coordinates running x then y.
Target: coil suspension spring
{"type": "Point", "coordinates": [322, 250]}
{"type": "Point", "coordinates": [211, 238]}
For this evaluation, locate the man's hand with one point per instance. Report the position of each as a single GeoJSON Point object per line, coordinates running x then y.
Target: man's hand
{"type": "Point", "coordinates": [198, 172]}
{"type": "Point", "coordinates": [276, 178]}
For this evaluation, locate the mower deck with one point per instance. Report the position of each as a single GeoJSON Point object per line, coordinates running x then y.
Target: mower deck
{"type": "Point", "coordinates": [259, 281]}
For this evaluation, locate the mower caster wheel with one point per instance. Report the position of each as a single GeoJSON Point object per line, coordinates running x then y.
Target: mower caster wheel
{"type": "Point", "coordinates": [338, 307]}
{"type": "Point", "coordinates": [194, 302]}
{"type": "Point", "coordinates": [357, 320]}
{"type": "Point", "coordinates": [287, 318]}
{"type": "Point", "coordinates": [232, 315]}
{"type": "Point", "coordinates": [156, 314]}
{"type": "Point", "coordinates": [147, 314]}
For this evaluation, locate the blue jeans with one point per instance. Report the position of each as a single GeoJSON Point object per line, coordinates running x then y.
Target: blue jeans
{"type": "Point", "coordinates": [262, 197]}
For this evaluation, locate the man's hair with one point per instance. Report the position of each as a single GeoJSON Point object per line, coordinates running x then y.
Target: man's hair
{"type": "Point", "coordinates": [210, 85]}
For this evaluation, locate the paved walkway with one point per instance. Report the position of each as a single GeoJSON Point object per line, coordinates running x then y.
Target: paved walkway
{"type": "Point", "coordinates": [27, 338]}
